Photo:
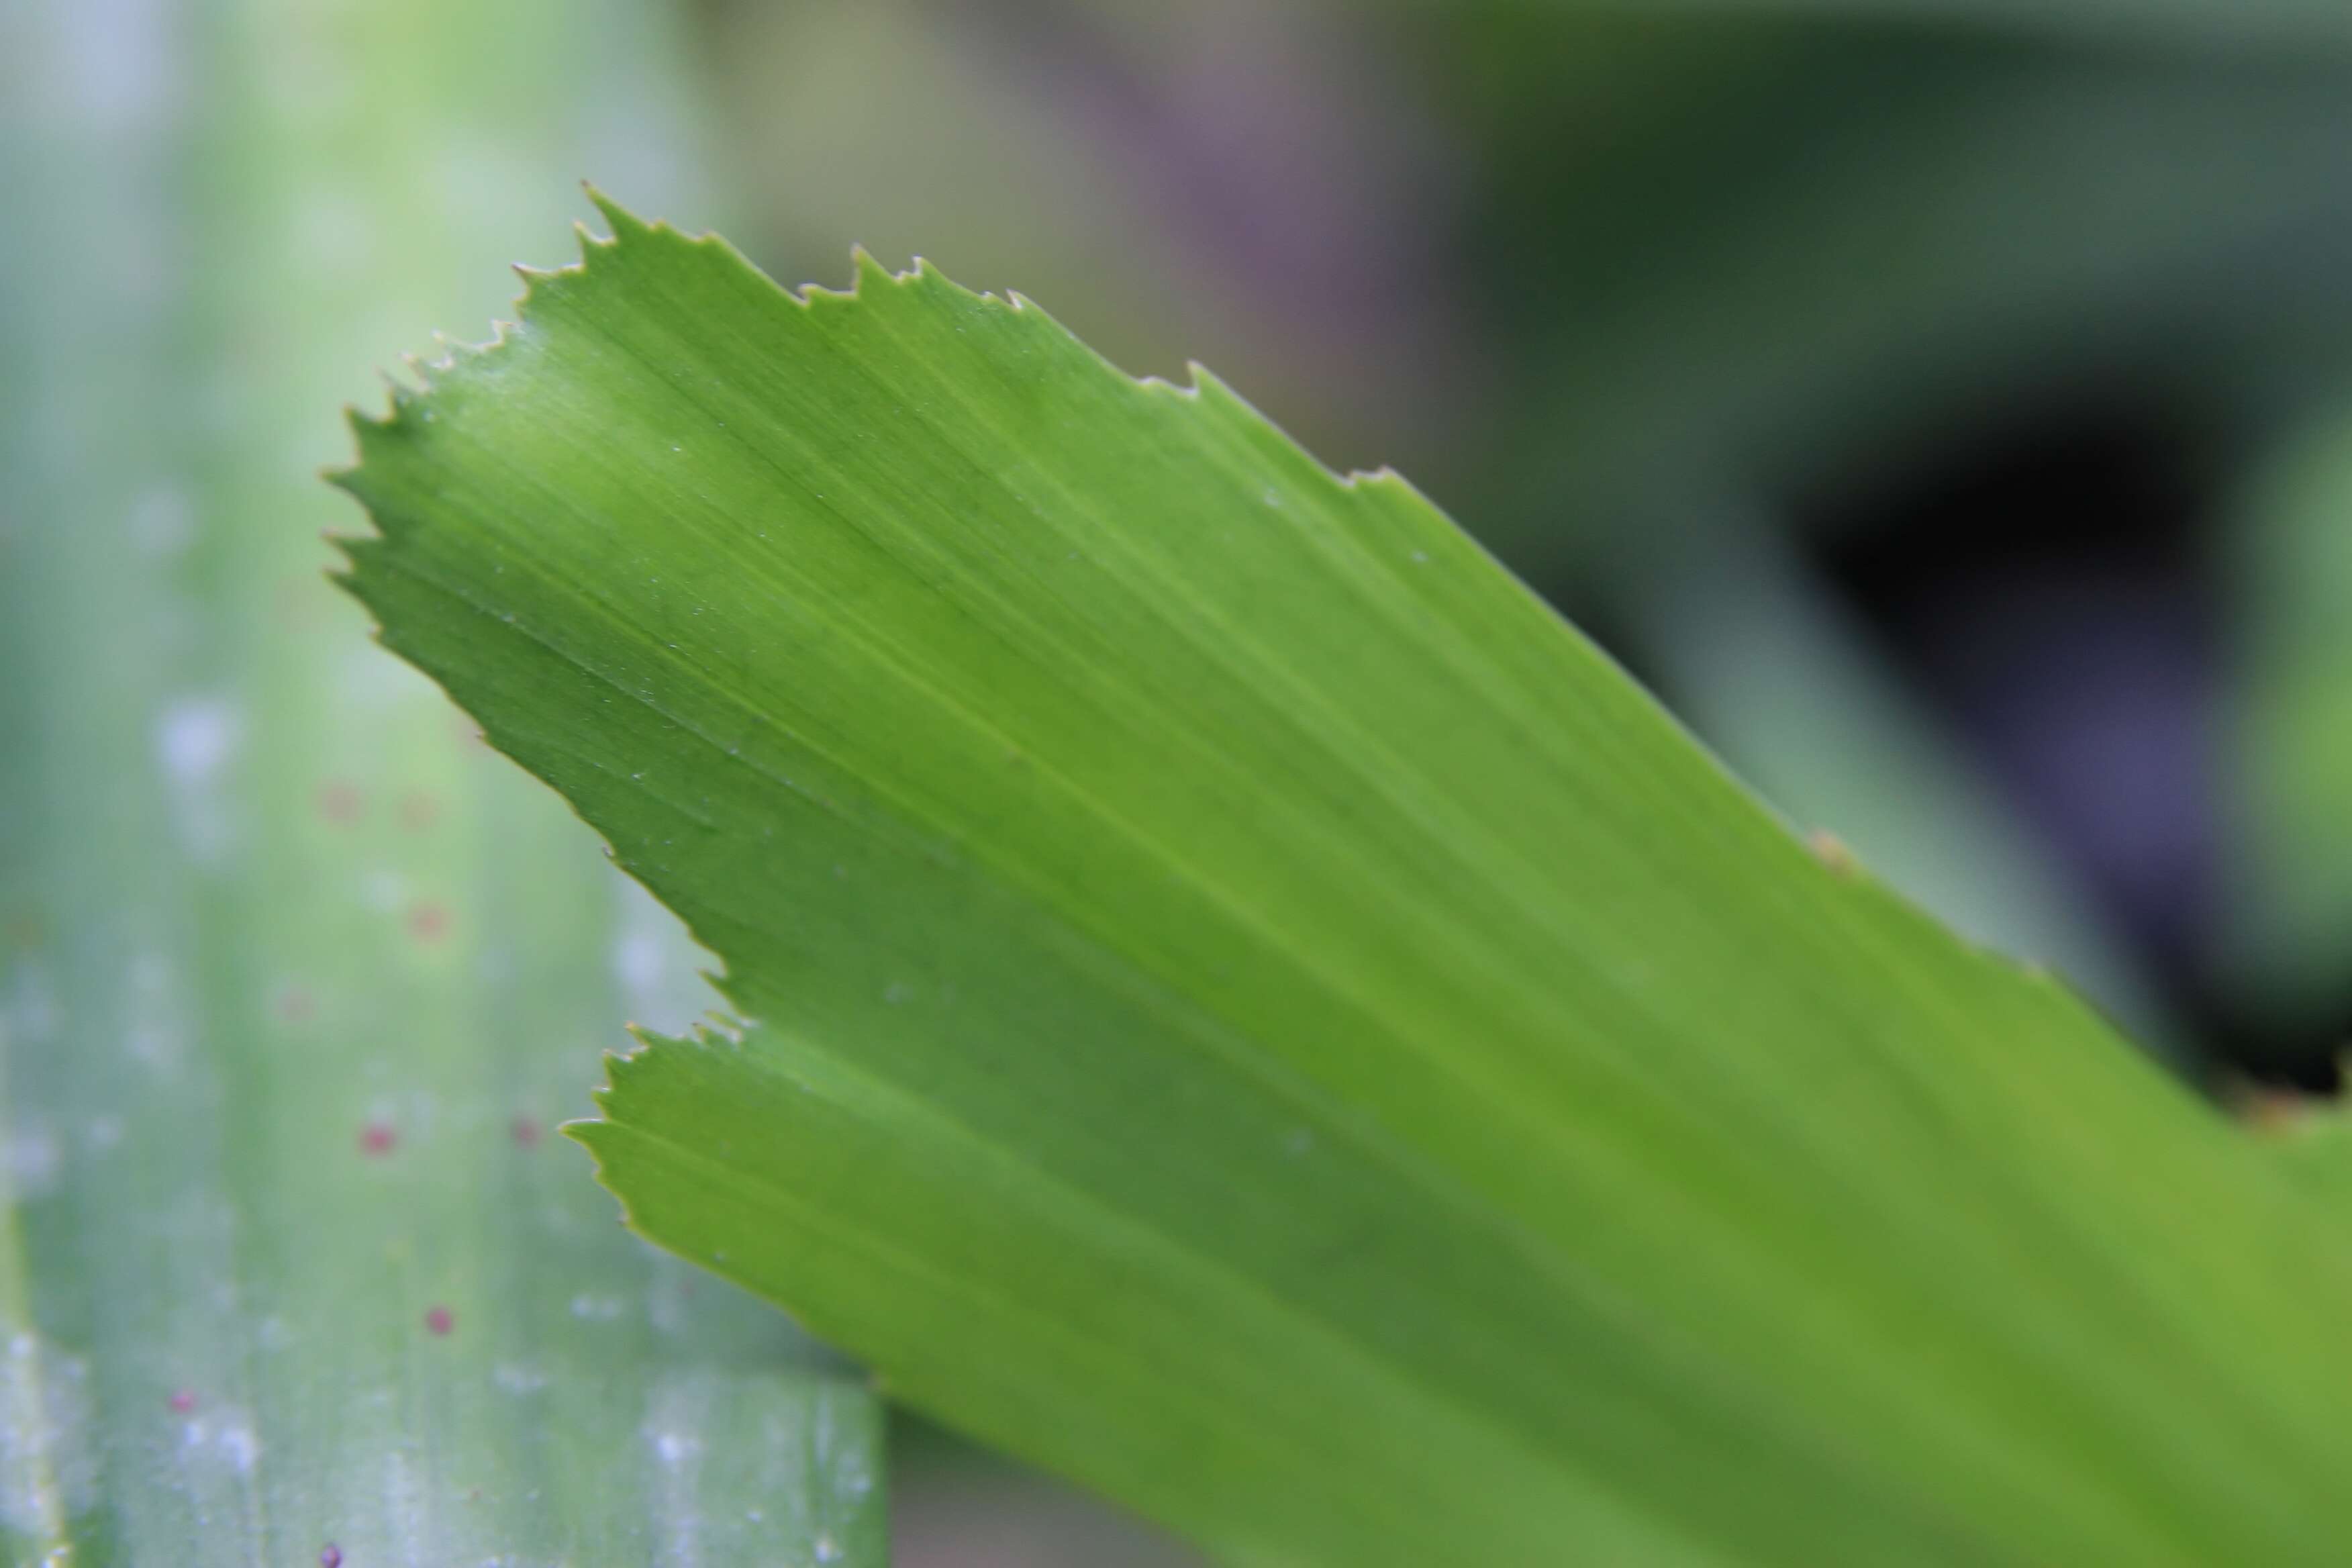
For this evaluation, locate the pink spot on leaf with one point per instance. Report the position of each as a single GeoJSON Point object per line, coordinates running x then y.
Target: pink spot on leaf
{"type": "Point", "coordinates": [440, 1321]}
{"type": "Point", "coordinates": [428, 923]}
{"type": "Point", "coordinates": [378, 1138]}
{"type": "Point", "coordinates": [339, 802]}
{"type": "Point", "coordinates": [183, 1400]}
{"type": "Point", "coordinates": [526, 1132]}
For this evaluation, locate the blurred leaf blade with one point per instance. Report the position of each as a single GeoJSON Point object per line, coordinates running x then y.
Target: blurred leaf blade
{"type": "Point", "coordinates": [2290, 554]}
{"type": "Point", "coordinates": [1246, 1009]}
{"type": "Point", "coordinates": [2137, 24]}
{"type": "Point", "coordinates": [35, 1440]}
{"type": "Point", "coordinates": [295, 981]}
{"type": "Point", "coordinates": [1854, 238]}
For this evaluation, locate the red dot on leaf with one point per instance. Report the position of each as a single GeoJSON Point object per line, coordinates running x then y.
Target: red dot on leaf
{"type": "Point", "coordinates": [440, 1321]}
{"type": "Point", "coordinates": [428, 923]}
{"type": "Point", "coordinates": [183, 1400]}
{"type": "Point", "coordinates": [339, 802]}
{"type": "Point", "coordinates": [378, 1137]}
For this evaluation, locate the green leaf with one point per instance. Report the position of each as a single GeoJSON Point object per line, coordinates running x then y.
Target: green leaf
{"type": "Point", "coordinates": [1242, 1006]}
{"type": "Point", "coordinates": [296, 980]}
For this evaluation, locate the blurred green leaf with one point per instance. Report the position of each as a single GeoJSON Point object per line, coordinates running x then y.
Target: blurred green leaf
{"type": "Point", "coordinates": [296, 981]}
{"type": "Point", "coordinates": [2288, 950]}
{"type": "Point", "coordinates": [2127, 23]}
{"type": "Point", "coordinates": [1243, 1006]}
{"type": "Point", "coordinates": [1791, 263]}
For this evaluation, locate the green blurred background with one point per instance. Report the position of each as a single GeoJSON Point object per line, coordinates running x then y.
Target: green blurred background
{"type": "Point", "coordinates": [1945, 405]}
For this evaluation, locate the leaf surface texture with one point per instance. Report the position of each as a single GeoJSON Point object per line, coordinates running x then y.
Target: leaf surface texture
{"type": "Point", "coordinates": [1243, 1005]}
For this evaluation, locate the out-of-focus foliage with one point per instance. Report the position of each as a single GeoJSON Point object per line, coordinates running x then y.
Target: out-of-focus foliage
{"type": "Point", "coordinates": [296, 980]}
{"type": "Point", "coordinates": [2291, 574]}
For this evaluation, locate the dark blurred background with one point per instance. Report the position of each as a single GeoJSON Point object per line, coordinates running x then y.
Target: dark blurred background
{"type": "Point", "coordinates": [1945, 405]}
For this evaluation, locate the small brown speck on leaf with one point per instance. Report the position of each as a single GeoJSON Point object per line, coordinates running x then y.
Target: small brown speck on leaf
{"type": "Point", "coordinates": [339, 802]}
{"type": "Point", "coordinates": [1832, 852]}
{"type": "Point", "coordinates": [2269, 1110]}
